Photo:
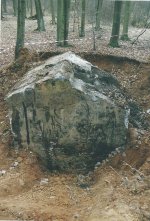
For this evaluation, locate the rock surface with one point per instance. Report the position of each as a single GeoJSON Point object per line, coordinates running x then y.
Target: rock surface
{"type": "Point", "coordinates": [69, 112]}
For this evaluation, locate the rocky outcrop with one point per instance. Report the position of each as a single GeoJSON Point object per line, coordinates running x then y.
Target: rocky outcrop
{"type": "Point", "coordinates": [69, 112]}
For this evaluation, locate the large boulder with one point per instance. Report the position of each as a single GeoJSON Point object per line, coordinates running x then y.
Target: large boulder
{"type": "Point", "coordinates": [69, 112]}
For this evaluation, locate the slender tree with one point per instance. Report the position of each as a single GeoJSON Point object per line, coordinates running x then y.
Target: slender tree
{"type": "Point", "coordinates": [4, 4]}
{"type": "Point", "coordinates": [126, 15]}
{"type": "Point", "coordinates": [74, 15]}
{"type": "Point", "coordinates": [116, 24]}
{"type": "Point", "coordinates": [20, 27]}
{"type": "Point", "coordinates": [1, 10]}
{"type": "Point", "coordinates": [15, 7]}
{"type": "Point", "coordinates": [66, 19]}
{"type": "Point", "coordinates": [39, 13]}
{"type": "Point", "coordinates": [98, 14]}
{"type": "Point", "coordinates": [63, 8]}
{"type": "Point", "coordinates": [60, 22]}
{"type": "Point", "coordinates": [82, 29]}
{"type": "Point", "coordinates": [52, 11]}
{"type": "Point", "coordinates": [27, 5]}
{"type": "Point", "coordinates": [31, 8]}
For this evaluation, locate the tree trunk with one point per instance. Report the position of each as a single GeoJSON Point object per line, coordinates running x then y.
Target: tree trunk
{"type": "Point", "coordinates": [60, 22]}
{"type": "Point", "coordinates": [15, 7]}
{"type": "Point", "coordinates": [20, 26]}
{"type": "Point", "coordinates": [1, 10]}
{"type": "Point", "coordinates": [31, 8]}
{"type": "Point", "coordinates": [4, 5]}
{"type": "Point", "coordinates": [66, 18]}
{"type": "Point", "coordinates": [116, 24]}
{"type": "Point", "coordinates": [74, 15]}
{"type": "Point", "coordinates": [52, 11]}
{"type": "Point", "coordinates": [98, 14]}
{"type": "Point", "coordinates": [63, 8]}
{"type": "Point", "coordinates": [39, 13]}
{"type": "Point", "coordinates": [82, 29]}
{"type": "Point", "coordinates": [27, 5]}
{"type": "Point", "coordinates": [124, 36]}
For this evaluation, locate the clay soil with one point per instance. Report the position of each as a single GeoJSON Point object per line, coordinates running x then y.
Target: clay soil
{"type": "Point", "coordinates": [119, 190]}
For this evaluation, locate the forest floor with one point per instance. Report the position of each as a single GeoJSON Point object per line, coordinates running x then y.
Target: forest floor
{"type": "Point", "coordinates": [120, 189]}
{"type": "Point", "coordinates": [46, 41]}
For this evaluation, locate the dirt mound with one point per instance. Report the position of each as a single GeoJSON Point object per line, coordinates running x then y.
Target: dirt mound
{"type": "Point", "coordinates": [118, 189]}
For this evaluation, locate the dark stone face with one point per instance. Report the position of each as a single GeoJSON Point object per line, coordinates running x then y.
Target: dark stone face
{"type": "Point", "coordinates": [16, 125]}
{"type": "Point", "coordinates": [66, 116]}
